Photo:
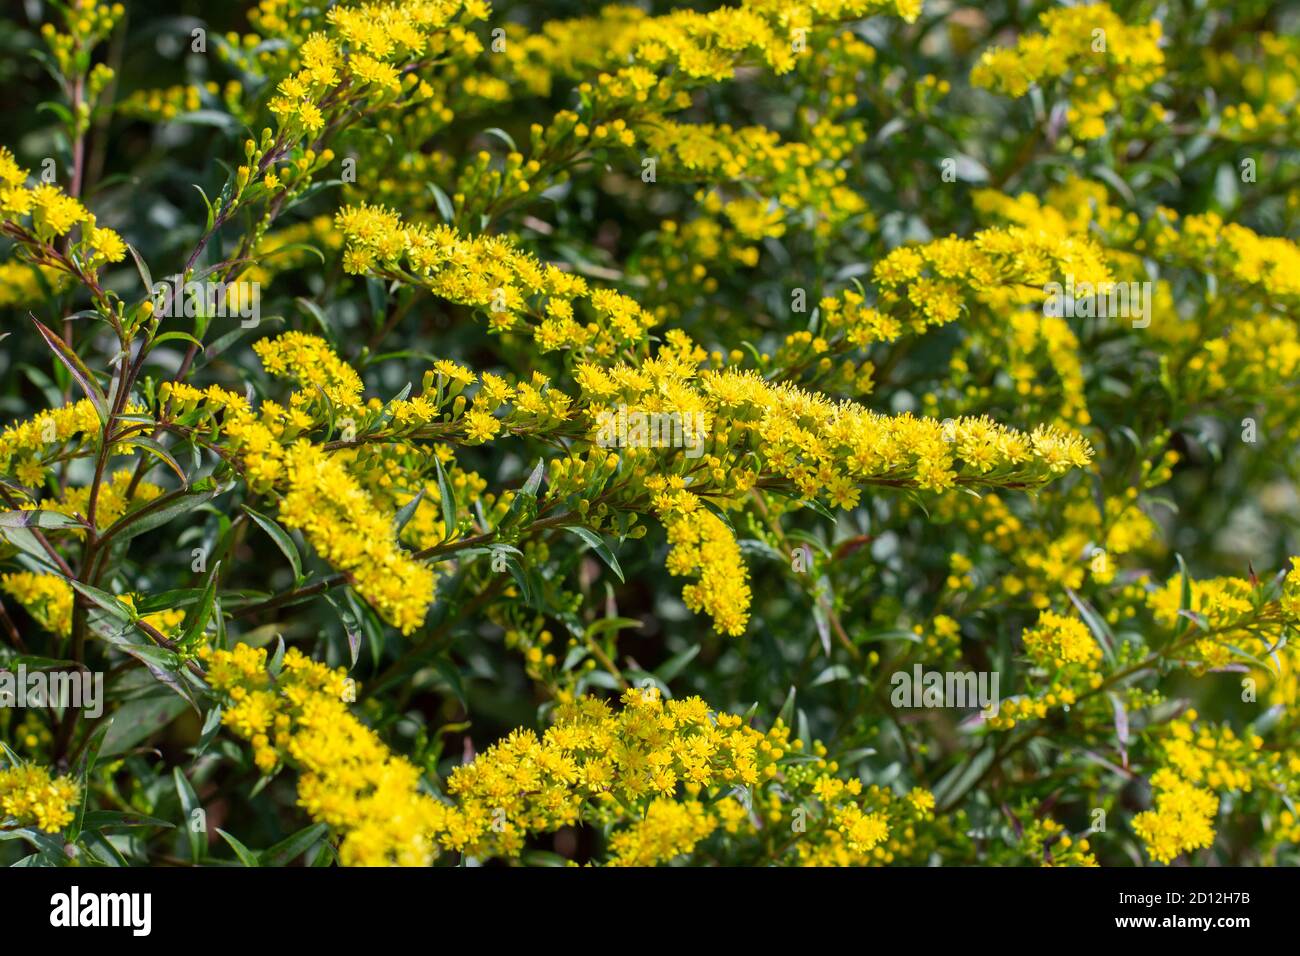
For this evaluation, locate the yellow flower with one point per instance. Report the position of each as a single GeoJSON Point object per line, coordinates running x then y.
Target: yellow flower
{"type": "Point", "coordinates": [348, 778]}
{"type": "Point", "coordinates": [705, 547]}
{"type": "Point", "coordinates": [1182, 821]}
{"type": "Point", "coordinates": [47, 598]}
{"type": "Point", "coordinates": [32, 796]}
{"type": "Point", "coordinates": [1056, 641]}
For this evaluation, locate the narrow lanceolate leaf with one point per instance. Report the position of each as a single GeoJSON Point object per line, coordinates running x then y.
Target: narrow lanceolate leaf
{"type": "Point", "coordinates": [86, 766]}
{"type": "Point", "coordinates": [1185, 599]}
{"type": "Point", "coordinates": [520, 575]}
{"type": "Point", "coordinates": [145, 275]}
{"type": "Point", "coordinates": [677, 663]}
{"type": "Point", "coordinates": [599, 546]}
{"type": "Point", "coordinates": [207, 205]}
{"type": "Point", "coordinates": [202, 611]}
{"type": "Point", "coordinates": [1097, 625]}
{"type": "Point", "coordinates": [502, 135]}
{"type": "Point", "coordinates": [407, 512]}
{"type": "Point", "coordinates": [1121, 725]}
{"type": "Point", "coordinates": [443, 201]}
{"type": "Point", "coordinates": [448, 502]}
{"type": "Point", "coordinates": [120, 820]}
{"type": "Point", "coordinates": [136, 720]}
{"type": "Point", "coordinates": [246, 856]}
{"type": "Point", "coordinates": [524, 504]}
{"type": "Point", "coordinates": [175, 335]}
{"type": "Point", "coordinates": [534, 482]}
{"type": "Point", "coordinates": [26, 542]}
{"type": "Point", "coordinates": [317, 314]}
{"type": "Point", "coordinates": [106, 602]}
{"type": "Point", "coordinates": [281, 539]}
{"type": "Point", "coordinates": [190, 804]}
{"type": "Point", "coordinates": [157, 513]}
{"type": "Point", "coordinates": [292, 847]}
{"type": "Point", "coordinates": [77, 368]}
{"type": "Point", "coordinates": [49, 520]}
{"type": "Point", "coordinates": [159, 452]}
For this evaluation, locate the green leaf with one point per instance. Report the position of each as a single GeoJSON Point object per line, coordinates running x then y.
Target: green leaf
{"type": "Point", "coordinates": [317, 314]}
{"type": "Point", "coordinates": [13, 758]}
{"type": "Point", "coordinates": [207, 205]}
{"type": "Point", "coordinates": [106, 602]}
{"type": "Point", "coordinates": [276, 662]}
{"type": "Point", "coordinates": [448, 501]}
{"type": "Point", "coordinates": [447, 671]}
{"type": "Point", "coordinates": [520, 575]}
{"type": "Point", "coordinates": [615, 624]}
{"type": "Point", "coordinates": [175, 334]}
{"type": "Point", "coordinates": [786, 713]}
{"type": "Point", "coordinates": [49, 520]}
{"type": "Point", "coordinates": [72, 361]}
{"type": "Point", "coordinates": [502, 135]}
{"type": "Point", "coordinates": [281, 539]}
{"type": "Point", "coordinates": [445, 208]}
{"type": "Point", "coordinates": [158, 512]}
{"type": "Point", "coordinates": [292, 847]}
{"type": "Point", "coordinates": [189, 803]}
{"type": "Point", "coordinates": [831, 674]}
{"type": "Point", "coordinates": [674, 665]}
{"type": "Point", "coordinates": [1185, 601]}
{"type": "Point", "coordinates": [159, 452]}
{"type": "Point", "coordinates": [98, 846]}
{"type": "Point", "coordinates": [59, 110]}
{"type": "Point", "coordinates": [162, 663]}
{"type": "Point", "coordinates": [407, 512]}
{"type": "Point", "coordinates": [1101, 631]}
{"type": "Point", "coordinates": [35, 662]}
{"type": "Point", "coordinates": [218, 346]}
{"type": "Point", "coordinates": [351, 629]}
{"type": "Point", "coordinates": [198, 622]}
{"type": "Point", "coordinates": [211, 725]}
{"type": "Point", "coordinates": [218, 118]}
{"type": "Point", "coordinates": [820, 508]}
{"type": "Point", "coordinates": [961, 778]}
{"type": "Point", "coordinates": [86, 767]}
{"type": "Point", "coordinates": [118, 820]}
{"type": "Point", "coordinates": [542, 858]}
{"type": "Point", "coordinates": [26, 542]}
{"type": "Point", "coordinates": [305, 196]}
{"type": "Point", "coordinates": [599, 546]}
{"type": "Point", "coordinates": [138, 719]}
{"type": "Point", "coordinates": [889, 634]}
{"type": "Point", "coordinates": [146, 277]}
{"type": "Point", "coordinates": [246, 856]}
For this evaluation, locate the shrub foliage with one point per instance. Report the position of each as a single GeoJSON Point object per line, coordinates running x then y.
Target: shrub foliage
{"type": "Point", "coordinates": [829, 432]}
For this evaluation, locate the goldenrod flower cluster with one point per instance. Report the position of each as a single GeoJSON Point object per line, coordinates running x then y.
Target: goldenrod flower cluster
{"type": "Point", "coordinates": [1261, 85]}
{"type": "Point", "coordinates": [1108, 62]}
{"type": "Point", "coordinates": [348, 777]}
{"type": "Point", "coordinates": [317, 493]}
{"type": "Point", "coordinates": [1201, 762]}
{"type": "Point", "coordinates": [702, 545]}
{"type": "Point", "coordinates": [32, 796]}
{"type": "Point", "coordinates": [44, 213]}
{"type": "Point", "coordinates": [47, 598]}
{"type": "Point", "coordinates": [1056, 641]}
{"type": "Point", "coordinates": [1228, 615]}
